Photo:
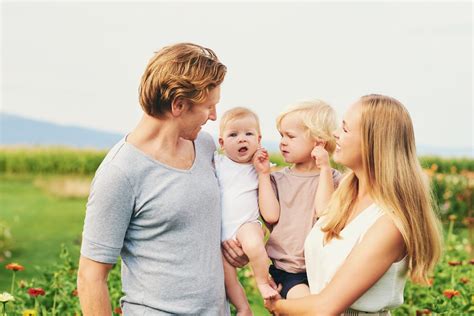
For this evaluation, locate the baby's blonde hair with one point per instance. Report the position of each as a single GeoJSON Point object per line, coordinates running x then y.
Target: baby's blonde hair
{"type": "Point", "coordinates": [317, 117]}
{"type": "Point", "coordinates": [235, 114]}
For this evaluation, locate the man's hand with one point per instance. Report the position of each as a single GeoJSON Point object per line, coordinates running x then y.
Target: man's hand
{"type": "Point", "coordinates": [261, 161]}
{"type": "Point", "coordinates": [233, 253]}
{"type": "Point", "coordinates": [321, 156]}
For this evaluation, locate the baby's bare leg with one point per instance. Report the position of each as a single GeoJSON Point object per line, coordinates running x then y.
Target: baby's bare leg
{"type": "Point", "coordinates": [234, 290]}
{"type": "Point", "coordinates": [250, 236]}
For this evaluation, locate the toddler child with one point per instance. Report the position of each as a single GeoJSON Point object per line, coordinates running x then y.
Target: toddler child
{"type": "Point", "coordinates": [291, 198]}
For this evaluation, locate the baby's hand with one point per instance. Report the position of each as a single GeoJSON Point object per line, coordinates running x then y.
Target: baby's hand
{"type": "Point", "coordinates": [321, 156]}
{"type": "Point", "coordinates": [261, 161]}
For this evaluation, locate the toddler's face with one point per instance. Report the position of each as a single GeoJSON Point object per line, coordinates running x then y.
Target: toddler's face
{"type": "Point", "coordinates": [240, 139]}
{"type": "Point", "coordinates": [295, 144]}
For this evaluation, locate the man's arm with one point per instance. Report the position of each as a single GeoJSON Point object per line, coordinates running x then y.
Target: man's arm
{"type": "Point", "coordinates": [109, 211]}
{"type": "Point", "coordinates": [92, 287]}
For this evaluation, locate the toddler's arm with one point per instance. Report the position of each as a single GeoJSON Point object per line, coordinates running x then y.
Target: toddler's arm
{"type": "Point", "coordinates": [326, 183]}
{"type": "Point", "coordinates": [267, 201]}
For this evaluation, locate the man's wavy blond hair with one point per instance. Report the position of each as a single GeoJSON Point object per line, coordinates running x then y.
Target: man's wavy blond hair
{"type": "Point", "coordinates": [396, 182]}
{"type": "Point", "coordinates": [183, 70]}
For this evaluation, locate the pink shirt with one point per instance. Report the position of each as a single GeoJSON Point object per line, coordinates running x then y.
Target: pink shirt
{"type": "Point", "coordinates": [296, 194]}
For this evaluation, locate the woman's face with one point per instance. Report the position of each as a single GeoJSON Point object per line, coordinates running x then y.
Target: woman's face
{"type": "Point", "coordinates": [195, 116]}
{"type": "Point", "coordinates": [348, 139]}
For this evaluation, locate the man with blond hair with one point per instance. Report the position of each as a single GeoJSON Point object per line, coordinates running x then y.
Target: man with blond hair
{"type": "Point", "coordinates": [155, 200]}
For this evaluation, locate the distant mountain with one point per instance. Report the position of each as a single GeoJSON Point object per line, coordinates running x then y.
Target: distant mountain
{"type": "Point", "coordinates": [17, 130]}
{"type": "Point", "coordinates": [424, 150]}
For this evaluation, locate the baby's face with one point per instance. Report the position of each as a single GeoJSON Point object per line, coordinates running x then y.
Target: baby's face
{"type": "Point", "coordinates": [240, 139]}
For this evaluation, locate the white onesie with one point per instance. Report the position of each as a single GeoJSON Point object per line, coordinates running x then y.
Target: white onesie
{"type": "Point", "coordinates": [238, 184]}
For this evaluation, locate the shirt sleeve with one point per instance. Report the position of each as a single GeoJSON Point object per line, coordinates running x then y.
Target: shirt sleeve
{"type": "Point", "coordinates": [208, 141]}
{"type": "Point", "coordinates": [109, 209]}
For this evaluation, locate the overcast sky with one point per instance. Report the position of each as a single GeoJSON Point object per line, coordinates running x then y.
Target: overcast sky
{"type": "Point", "coordinates": [80, 62]}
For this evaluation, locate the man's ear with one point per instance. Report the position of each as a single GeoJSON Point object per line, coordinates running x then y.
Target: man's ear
{"type": "Point", "coordinates": [178, 106]}
{"type": "Point", "coordinates": [221, 142]}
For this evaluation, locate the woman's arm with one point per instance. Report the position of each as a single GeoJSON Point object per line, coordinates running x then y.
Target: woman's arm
{"type": "Point", "coordinates": [369, 260]}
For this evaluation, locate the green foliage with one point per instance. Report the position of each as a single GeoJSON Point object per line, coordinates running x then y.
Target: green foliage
{"type": "Point", "coordinates": [67, 160]}
{"type": "Point", "coordinates": [50, 160]}
{"type": "Point", "coordinates": [278, 160]}
{"type": "Point", "coordinates": [39, 223]}
{"type": "Point", "coordinates": [5, 242]}
{"type": "Point", "coordinates": [453, 194]}
{"type": "Point", "coordinates": [247, 280]}
{"type": "Point", "coordinates": [59, 283]}
{"type": "Point", "coordinates": [451, 291]}
{"type": "Point", "coordinates": [447, 165]}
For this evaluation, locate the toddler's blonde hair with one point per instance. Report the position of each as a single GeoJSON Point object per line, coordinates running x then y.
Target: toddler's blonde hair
{"type": "Point", "coordinates": [317, 117]}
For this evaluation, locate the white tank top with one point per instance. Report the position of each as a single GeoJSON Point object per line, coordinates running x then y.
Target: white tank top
{"type": "Point", "coordinates": [238, 183]}
{"type": "Point", "coordinates": [323, 261]}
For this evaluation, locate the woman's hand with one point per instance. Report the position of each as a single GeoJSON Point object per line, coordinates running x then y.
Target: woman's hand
{"type": "Point", "coordinates": [270, 305]}
{"type": "Point", "coordinates": [261, 161]}
{"type": "Point", "coordinates": [233, 253]}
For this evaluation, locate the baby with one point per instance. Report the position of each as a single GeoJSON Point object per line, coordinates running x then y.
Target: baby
{"type": "Point", "coordinates": [239, 138]}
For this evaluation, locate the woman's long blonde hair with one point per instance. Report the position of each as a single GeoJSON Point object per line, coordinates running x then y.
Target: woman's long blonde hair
{"type": "Point", "coordinates": [396, 183]}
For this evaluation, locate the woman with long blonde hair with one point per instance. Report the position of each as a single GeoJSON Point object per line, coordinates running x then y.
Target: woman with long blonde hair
{"type": "Point", "coordinates": [379, 227]}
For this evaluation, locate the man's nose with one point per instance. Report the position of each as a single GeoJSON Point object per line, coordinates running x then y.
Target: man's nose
{"type": "Point", "coordinates": [212, 114]}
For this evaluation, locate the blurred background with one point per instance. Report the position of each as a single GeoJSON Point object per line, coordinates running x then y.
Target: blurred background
{"type": "Point", "coordinates": [70, 72]}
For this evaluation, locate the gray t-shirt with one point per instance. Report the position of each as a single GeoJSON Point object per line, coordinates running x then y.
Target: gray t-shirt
{"type": "Point", "coordinates": [165, 223]}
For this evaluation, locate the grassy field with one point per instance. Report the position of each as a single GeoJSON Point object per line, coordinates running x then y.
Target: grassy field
{"type": "Point", "coordinates": [40, 221]}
